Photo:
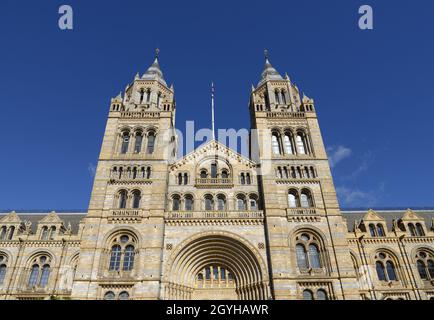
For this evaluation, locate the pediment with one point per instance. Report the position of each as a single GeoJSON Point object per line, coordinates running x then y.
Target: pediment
{"type": "Point", "coordinates": [410, 215]}
{"type": "Point", "coordinates": [11, 217]}
{"type": "Point", "coordinates": [371, 215]}
{"type": "Point", "coordinates": [52, 218]}
{"type": "Point", "coordinates": [216, 150]}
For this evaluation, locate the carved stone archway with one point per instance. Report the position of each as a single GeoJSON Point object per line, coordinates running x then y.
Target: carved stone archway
{"type": "Point", "coordinates": [245, 275]}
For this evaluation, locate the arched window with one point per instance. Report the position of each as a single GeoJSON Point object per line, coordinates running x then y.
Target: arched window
{"type": "Point", "coordinates": [203, 174]}
{"type": "Point", "coordinates": [185, 178]}
{"type": "Point", "coordinates": [122, 254]}
{"type": "Point", "coordinates": [128, 258]}
{"type": "Point", "coordinates": [158, 99]}
{"type": "Point", "coordinates": [136, 199]}
{"type": "Point", "coordinates": [390, 267]}
{"type": "Point", "coordinates": [2, 273]}
{"type": "Point", "coordinates": [253, 199]}
{"type": "Point", "coordinates": [3, 233]}
{"type": "Point", "coordinates": [380, 271]}
{"type": "Point", "coordinates": [115, 258]}
{"type": "Point", "coordinates": [419, 230]}
{"type": "Point", "coordinates": [279, 172]}
{"type": "Point", "coordinates": [44, 276]}
{"type": "Point", "coordinates": [188, 203]}
{"type": "Point", "coordinates": [293, 199]}
{"type": "Point", "coordinates": [52, 232]}
{"type": "Point", "coordinates": [44, 233]}
{"type": "Point", "coordinates": [276, 97]}
{"type": "Point", "coordinates": [138, 144]}
{"type": "Point", "coordinates": [176, 203]}
{"type": "Point", "coordinates": [283, 96]}
{"type": "Point", "coordinates": [243, 178]}
{"type": "Point", "coordinates": [3, 269]}
{"type": "Point", "coordinates": [425, 265]}
{"type": "Point", "coordinates": [372, 231]}
{"type": "Point", "coordinates": [34, 276]}
{"type": "Point", "coordinates": [241, 203]}
{"type": "Point", "coordinates": [385, 267]}
{"type": "Point", "coordinates": [209, 202]}
{"type": "Point", "coordinates": [148, 95]}
{"type": "Point", "coordinates": [380, 230]}
{"type": "Point", "coordinates": [221, 202]}
{"type": "Point", "coordinates": [421, 267]}
{"type": "Point", "coordinates": [314, 256]}
{"type": "Point", "coordinates": [151, 142]}
{"type": "Point", "coordinates": [306, 199]}
{"type": "Point", "coordinates": [301, 147]}
{"type": "Point", "coordinates": [148, 172]}
{"type": "Point", "coordinates": [248, 179]}
{"type": "Point", "coordinates": [109, 296]}
{"type": "Point", "coordinates": [124, 295]}
{"type": "Point", "coordinates": [213, 170]}
{"type": "Point", "coordinates": [288, 144]}
{"type": "Point", "coordinates": [412, 229]}
{"type": "Point", "coordinates": [307, 251]}
{"type": "Point", "coordinates": [307, 295]}
{"type": "Point", "coordinates": [125, 142]}
{"type": "Point", "coordinates": [275, 143]}
{"type": "Point", "coordinates": [122, 199]}
{"type": "Point", "coordinates": [225, 174]}
{"type": "Point", "coordinates": [302, 261]}
{"type": "Point", "coordinates": [11, 232]}
{"type": "Point", "coordinates": [39, 272]}
{"type": "Point", "coordinates": [142, 94]}
{"type": "Point", "coordinates": [321, 295]}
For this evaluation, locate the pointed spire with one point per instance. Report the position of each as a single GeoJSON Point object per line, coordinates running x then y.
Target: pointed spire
{"type": "Point", "coordinates": [154, 71]}
{"type": "Point", "coordinates": [269, 72]}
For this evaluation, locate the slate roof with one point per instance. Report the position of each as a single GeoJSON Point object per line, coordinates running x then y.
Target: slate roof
{"type": "Point", "coordinates": [349, 215]}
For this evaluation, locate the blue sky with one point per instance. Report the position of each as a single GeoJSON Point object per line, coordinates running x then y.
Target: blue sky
{"type": "Point", "coordinates": [373, 89]}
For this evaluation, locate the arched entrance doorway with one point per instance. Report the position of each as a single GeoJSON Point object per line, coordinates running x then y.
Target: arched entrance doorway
{"type": "Point", "coordinates": [214, 267]}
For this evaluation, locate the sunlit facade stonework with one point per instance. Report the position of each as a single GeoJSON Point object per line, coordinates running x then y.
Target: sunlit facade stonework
{"type": "Point", "coordinates": [215, 224]}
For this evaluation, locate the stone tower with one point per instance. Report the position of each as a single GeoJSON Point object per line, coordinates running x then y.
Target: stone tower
{"type": "Point", "coordinates": [129, 193]}
{"type": "Point", "coordinates": [300, 203]}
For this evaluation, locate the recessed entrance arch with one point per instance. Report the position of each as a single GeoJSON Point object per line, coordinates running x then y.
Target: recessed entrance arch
{"type": "Point", "coordinates": [215, 266]}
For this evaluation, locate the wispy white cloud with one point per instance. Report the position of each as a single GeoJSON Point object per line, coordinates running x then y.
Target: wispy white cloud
{"type": "Point", "coordinates": [338, 153]}
{"type": "Point", "coordinates": [355, 197]}
{"type": "Point", "coordinates": [92, 169]}
{"type": "Point", "coordinates": [366, 161]}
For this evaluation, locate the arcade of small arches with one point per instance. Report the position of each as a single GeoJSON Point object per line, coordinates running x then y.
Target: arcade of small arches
{"type": "Point", "coordinates": [288, 142]}
{"type": "Point", "coordinates": [7, 232]}
{"type": "Point", "coordinates": [125, 199]}
{"type": "Point", "coordinates": [218, 202]}
{"type": "Point", "coordinates": [133, 140]}
{"type": "Point", "coordinates": [300, 198]}
{"type": "Point", "coordinates": [130, 172]}
{"type": "Point", "coordinates": [296, 172]}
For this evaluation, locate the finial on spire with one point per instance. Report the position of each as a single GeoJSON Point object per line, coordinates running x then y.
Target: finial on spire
{"type": "Point", "coordinates": [266, 54]}
{"type": "Point", "coordinates": [157, 51]}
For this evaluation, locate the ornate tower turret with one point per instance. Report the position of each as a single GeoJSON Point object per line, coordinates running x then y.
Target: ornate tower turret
{"type": "Point", "coordinates": [305, 229]}
{"type": "Point", "coordinates": [129, 192]}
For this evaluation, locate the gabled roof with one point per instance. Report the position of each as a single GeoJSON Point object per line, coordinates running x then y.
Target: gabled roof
{"type": "Point", "coordinates": [371, 215]}
{"type": "Point", "coordinates": [11, 217]}
{"type": "Point", "coordinates": [52, 217]}
{"type": "Point", "coordinates": [213, 147]}
{"type": "Point", "coordinates": [410, 215]}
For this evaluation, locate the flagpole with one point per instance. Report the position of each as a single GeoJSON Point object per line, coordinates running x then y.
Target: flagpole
{"type": "Point", "coordinates": [212, 110]}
